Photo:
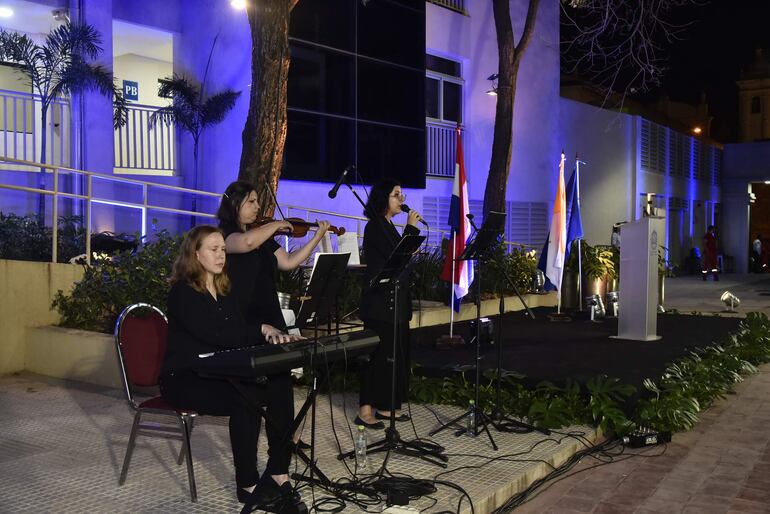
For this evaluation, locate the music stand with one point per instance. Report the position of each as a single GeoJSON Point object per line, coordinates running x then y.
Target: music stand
{"type": "Point", "coordinates": [393, 275]}
{"type": "Point", "coordinates": [317, 303]}
{"type": "Point", "coordinates": [479, 249]}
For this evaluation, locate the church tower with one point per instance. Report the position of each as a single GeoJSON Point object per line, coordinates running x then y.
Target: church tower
{"type": "Point", "coordinates": [754, 100]}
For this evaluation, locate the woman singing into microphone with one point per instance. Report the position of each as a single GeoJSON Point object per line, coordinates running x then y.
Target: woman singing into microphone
{"type": "Point", "coordinates": [380, 238]}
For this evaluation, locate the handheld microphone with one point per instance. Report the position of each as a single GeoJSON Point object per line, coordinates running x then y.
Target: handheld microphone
{"type": "Point", "coordinates": [470, 218]}
{"type": "Point", "coordinates": [405, 209]}
{"type": "Point", "coordinates": [333, 191]}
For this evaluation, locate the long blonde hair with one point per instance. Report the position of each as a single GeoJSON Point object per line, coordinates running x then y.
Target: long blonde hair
{"type": "Point", "coordinates": [187, 268]}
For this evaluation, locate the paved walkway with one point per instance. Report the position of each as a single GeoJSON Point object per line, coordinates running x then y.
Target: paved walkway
{"type": "Point", "coordinates": [689, 293]}
{"type": "Point", "coordinates": [721, 466]}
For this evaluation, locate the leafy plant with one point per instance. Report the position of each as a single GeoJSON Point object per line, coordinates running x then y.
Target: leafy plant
{"type": "Point", "coordinates": [695, 381]}
{"type": "Point", "coordinates": [518, 265]}
{"type": "Point", "coordinates": [109, 285]}
{"type": "Point", "coordinates": [606, 395]}
{"type": "Point", "coordinates": [25, 238]}
{"type": "Point", "coordinates": [598, 262]}
{"type": "Point", "coordinates": [427, 283]}
{"type": "Point", "coordinates": [58, 68]}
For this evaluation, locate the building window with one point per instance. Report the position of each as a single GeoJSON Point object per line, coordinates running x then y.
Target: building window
{"type": "Point", "coordinates": [756, 105]}
{"type": "Point", "coordinates": [443, 90]}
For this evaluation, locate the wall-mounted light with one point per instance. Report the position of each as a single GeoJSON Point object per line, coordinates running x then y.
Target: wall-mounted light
{"type": "Point", "coordinates": [6, 12]}
{"type": "Point", "coordinates": [697, 130]}
{"type": "Point", "coordinates": [493, 90]}
{"type": "Point", "coordinates": [238, 4]}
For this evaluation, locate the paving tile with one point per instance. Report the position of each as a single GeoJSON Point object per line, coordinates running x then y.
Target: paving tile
{"type": "Point", "coordinates": [750, 507]}
{"type": "Point", "coordinates": [576, 503]}
{"type": "Point", "coordinates": [671, 494]}
{"type": "Point", "coordinates": [706, 504]}
{"type": "Point", "coordinates": [614, 508]}
{"type": "Point", "coordinates": [725, 486]}
{"type": "Point", "coordinates": [756, 495]}
{"type": "Point", "coordinates": [659, 506]}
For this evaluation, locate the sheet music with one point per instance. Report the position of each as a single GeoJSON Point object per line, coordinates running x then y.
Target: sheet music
{"type": "Point", "coordinates": [348, 243]}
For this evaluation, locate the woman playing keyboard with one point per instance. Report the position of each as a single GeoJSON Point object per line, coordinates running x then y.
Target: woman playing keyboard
{"type": "Point", "coordinates": [203, 318]}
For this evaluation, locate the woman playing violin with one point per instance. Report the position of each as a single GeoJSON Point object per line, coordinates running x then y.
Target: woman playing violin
{"type": "Point", "coordinates": [254, 257]}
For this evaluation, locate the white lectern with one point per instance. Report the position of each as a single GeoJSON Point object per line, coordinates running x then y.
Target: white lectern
{"type": "Point", "coordinates": [638, 313]}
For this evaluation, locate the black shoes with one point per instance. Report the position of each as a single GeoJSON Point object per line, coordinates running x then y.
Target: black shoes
{"type": "Point", "coordinates": [271, 497]}
{"type": "Point", "coordinates": [377, 425]}
{"type": "Point", "coordinates": [260, 496]}
{"type": "Point", "coordinates": [401, 417]}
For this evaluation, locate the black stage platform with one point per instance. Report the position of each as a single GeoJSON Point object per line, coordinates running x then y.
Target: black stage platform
{"type": "Point", "coordinates": [581, 349]}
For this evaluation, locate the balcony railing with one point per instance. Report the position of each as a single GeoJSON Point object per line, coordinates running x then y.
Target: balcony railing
{"type": "Point", "coordinates": [144, 148]}
{"type": "Point", "coordinates": [454, 5]}
{"type": "Point", "coordinates": [441, 149]}
{"type": "Point", "coordinates": [21, 132]}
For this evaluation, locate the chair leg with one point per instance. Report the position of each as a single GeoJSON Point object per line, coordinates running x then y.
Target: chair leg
{"type": "Point", "coordinates": [180, 459]}
{"type": "Point", "coordinates": [130, 447]}
{"type": "Point", "coordinates": [186, 425]}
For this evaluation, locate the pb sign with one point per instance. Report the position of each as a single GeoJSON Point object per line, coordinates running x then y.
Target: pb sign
{"type": "Point", "coordinates": [131, 90]}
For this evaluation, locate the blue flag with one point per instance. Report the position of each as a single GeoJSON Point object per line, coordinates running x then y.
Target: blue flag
{"type": "Point", "coordinates": [574, 220]}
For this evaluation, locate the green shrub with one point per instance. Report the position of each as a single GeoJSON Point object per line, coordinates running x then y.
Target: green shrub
{"type": "Point", "coordinates": [109, 285]}
{"type": "Point", "coordinates": [24, 238]}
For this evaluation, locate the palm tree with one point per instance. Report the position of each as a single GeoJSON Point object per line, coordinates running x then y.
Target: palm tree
{"type": "Point", "coordinates": [59, 68]}
{"type": "Point", "coordinates": [192, 112]}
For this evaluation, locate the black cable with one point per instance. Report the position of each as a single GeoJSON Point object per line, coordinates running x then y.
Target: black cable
{"type": "Point", "coordinates": [601, 452]}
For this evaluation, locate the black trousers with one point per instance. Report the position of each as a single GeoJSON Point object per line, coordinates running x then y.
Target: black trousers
{"type": "Point", "coordinates": [187, 390]}
{"type": "Point", "coordinates": [376, 375]}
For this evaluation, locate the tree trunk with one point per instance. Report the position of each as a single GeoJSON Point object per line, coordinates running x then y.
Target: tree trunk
{"type": "Point", "coordinates": [264, 134]}
{"type": "Point", "coordinates": [41, 185]}
{"type": "Point", "coordinates": [509, 57]}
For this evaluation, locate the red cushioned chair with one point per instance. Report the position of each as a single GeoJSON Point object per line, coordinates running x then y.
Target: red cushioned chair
{"type": "Point", "coordinates": [140, 340]}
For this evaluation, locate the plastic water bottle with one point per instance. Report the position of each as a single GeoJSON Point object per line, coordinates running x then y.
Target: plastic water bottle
{"type": "Point", "coordinates": [360, 446]}
{"type": "Point", "coordinates": [471, 419]}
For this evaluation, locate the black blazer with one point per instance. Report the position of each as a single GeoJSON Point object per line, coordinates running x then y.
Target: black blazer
{"type": "Point", "coordinates": [380, 238]}
{"type": "Point", "coordinates": [199, 324]}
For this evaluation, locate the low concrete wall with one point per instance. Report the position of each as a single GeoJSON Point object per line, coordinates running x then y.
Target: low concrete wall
{"type": "Point", "coordinates": [90, 356]}
{"type": "Point", "coordinates": [439, 316]}
{"type": "Point", "coordinates": [73, 354]}
{"type": "Point", "coordinates": [26, 292]}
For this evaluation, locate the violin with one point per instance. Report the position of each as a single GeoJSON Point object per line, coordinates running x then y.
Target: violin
{"type": "Point", "coordinates": [299, 226]}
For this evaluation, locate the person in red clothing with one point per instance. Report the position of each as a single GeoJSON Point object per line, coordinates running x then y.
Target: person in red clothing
{"type": "Point", "coordinates": [710, 264]}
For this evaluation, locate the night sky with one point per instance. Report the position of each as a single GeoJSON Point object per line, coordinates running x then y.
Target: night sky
{"type": "Point", "coordinates": [719, 43]}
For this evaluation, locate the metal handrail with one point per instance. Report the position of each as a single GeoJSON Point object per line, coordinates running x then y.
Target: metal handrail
{"type": "Point", "coordinates": [90, 200]}
{"type": "Point", "coordinates": [145, 205]}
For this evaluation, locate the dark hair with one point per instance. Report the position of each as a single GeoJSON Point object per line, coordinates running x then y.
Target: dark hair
{"type": "Point", "coordinates": [188, 269]}
{"type": "Point", "coordinates": [710, 228]}
{"type": "Point", "coordinates": [231, 203]}
{"type": "Point", "coordinates": [377, 204]}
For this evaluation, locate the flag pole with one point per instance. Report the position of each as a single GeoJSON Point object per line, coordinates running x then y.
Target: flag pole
{"type": "Point", "coordinates": [580, 240]}
{"type": "Point", "coordinates": [452, 289]}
